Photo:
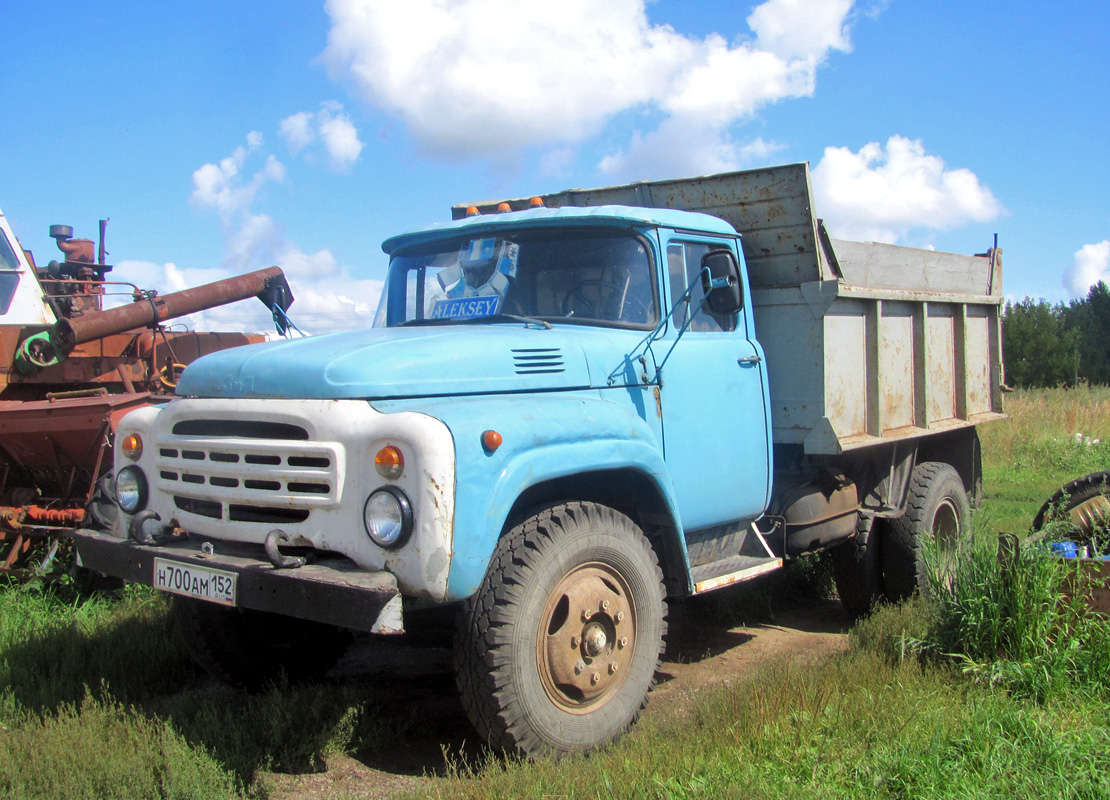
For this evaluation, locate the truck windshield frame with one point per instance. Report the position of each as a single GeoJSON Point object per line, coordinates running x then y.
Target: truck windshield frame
{"type": "Point", "coordinates": [10, 270]}
{"type": "Point", "coordinates": [604, 277]}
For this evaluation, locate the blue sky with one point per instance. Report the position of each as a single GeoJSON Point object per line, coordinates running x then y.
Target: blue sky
{"type": "Point", "coordinates": [223, 137]}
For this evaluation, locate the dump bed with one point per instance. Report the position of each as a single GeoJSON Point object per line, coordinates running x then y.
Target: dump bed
{"type": "Point", "coordinates": [865, 342]}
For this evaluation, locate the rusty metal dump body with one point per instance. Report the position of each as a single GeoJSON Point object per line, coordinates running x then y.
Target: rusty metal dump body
{"type": "Point", "coordinates": [865, 342]}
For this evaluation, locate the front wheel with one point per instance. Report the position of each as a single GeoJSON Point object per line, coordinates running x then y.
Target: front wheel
{"type": "Point", "coordinates": [937, 514]}
{"type": "Point", "coordinates": [558, 649]}
{"type": "Point", "coordinates": [249, 648]}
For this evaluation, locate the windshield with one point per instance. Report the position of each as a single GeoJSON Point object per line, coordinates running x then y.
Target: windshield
{"type": "Point", "coordinates": [9, 273]}
{"type": "Point", "coordinates": [566, 276]}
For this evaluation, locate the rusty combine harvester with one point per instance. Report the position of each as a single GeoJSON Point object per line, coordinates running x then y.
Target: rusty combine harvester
{"type": "Point", "coordinates": [70, 369]}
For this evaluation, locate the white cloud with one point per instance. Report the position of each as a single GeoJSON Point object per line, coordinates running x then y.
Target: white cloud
{"type": "Point", "coordinates": [220, 186]}
{"type": "Point", "coordinates": [880, 194]}
{"type": "Point", "coordinates": [1091, 265]}
{"type": "Point", "coordinates": [678, 148]}
{"type": "Point", "coordinates": [799, 28]}
{"type": "Point", "coordinates": [328, 298]}
{"type": "Point", "coordinates": [297, 130]}
{"type": "Point", "coordinates": [331, 126]}
{"type": "Point", "coordinates": [483, 78]}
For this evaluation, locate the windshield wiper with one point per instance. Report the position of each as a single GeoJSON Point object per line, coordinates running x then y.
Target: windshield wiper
{"type": "Point", "coordinates": [519, 318]}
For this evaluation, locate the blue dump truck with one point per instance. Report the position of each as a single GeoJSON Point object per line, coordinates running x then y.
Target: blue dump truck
{"type": "Point", "coordinates": [570, 410]}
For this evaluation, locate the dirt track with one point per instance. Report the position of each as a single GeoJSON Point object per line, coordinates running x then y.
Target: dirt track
{"type": "Point", "coordinates": [417, 686]}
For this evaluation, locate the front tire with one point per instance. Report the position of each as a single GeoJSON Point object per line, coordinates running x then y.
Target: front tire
{"type": "Point", "coordinates": [250, 649]}
{"type": "Point", "coordinates": [937, 514]}
{"type": "Point", "coordinates": [558, 649]}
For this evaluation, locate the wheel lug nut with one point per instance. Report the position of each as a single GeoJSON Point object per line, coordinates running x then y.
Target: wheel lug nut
{"type": "Point", "coordinates": [612, 668]}
{"type": "Point", "coordinates": [604, 605]}
{"type": "Point", "coordinates": [620, 616]}
{"type": "Point", "coordinates": [622, 641]}
{"type": "Point", "coordinates": [579, 667]}
{"type": "Point", "coordinates": [586, 614]}
{"type": "Point", "coordinates": [595, 678]}
{"type": "Point", "coordinates": [575, 641]}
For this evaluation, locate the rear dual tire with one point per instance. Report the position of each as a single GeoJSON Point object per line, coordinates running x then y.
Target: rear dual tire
{"type": "Point", "coordinates": [938, 516]}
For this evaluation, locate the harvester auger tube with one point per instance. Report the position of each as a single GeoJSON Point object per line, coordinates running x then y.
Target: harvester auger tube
{"type": "Point", "coordinates": [52, 346]}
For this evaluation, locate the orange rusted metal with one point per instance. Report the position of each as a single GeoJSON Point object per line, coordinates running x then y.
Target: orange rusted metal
{"type": "Point", "coordinates": [58, 416]}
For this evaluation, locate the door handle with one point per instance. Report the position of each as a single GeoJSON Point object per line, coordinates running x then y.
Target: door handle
{"type": "Point", "coordinates": [749, 360]}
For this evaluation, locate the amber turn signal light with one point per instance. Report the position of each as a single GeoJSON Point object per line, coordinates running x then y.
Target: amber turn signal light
{"type": "Point", "coordinates": [389, 462]}
{"type": "Point", "coordinates": [132, 446]}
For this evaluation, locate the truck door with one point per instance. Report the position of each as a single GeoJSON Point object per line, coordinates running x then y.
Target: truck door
{"type": "Point", "coordinates": [715, 413]}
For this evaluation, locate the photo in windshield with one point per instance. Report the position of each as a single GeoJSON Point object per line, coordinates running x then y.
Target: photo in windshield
{"type": "Point", "coordinates": [578, 276]}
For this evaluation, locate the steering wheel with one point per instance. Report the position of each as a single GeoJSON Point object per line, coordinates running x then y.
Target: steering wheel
{"type": "Point", "coordinates": [590, 298]}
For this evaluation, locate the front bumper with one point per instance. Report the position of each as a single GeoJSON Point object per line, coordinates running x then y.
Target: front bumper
{"type": "Point", "coordinates": [333, 590]}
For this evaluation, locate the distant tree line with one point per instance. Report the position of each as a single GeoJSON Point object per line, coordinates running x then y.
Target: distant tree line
{"type": "Point", "coordinates": [1053, 345]}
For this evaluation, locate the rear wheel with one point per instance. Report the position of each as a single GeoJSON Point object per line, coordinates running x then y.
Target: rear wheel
{"type": "Point", "coordinates": [937, 514]}
{"type": "Point", "coordinates": [857, 568]}
{"type": "Point", "coordinates": [558, 649]}
{"type": "Point", "coordinates": [252, 648]}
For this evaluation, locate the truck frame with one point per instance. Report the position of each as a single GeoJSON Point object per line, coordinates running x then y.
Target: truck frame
{"type": "Point", "coordinates": [571, 409]}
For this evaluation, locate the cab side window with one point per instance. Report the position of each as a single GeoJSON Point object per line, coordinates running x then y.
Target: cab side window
{"type": "Point", "coordinates": [684, 267]}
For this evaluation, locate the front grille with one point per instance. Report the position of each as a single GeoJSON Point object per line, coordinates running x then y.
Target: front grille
{"type": "Point", "coordinates": [538, 361]}
{"type": "Point", "coordinates": [248, 478]}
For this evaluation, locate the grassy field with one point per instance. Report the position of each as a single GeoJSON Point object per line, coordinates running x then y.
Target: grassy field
{"type": "Point", "coordinates": [993, 690]}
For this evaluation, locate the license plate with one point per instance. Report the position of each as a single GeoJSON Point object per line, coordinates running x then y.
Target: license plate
{"type": "Point", "coordinates": [190, 580]}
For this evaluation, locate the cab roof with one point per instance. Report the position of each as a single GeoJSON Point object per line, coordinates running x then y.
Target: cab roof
{"type": "Point", "coordinates": [614, 216]}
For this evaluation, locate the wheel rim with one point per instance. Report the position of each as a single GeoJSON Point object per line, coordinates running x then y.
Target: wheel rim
{"type": "Point", "coordinates": [946, 526]}
{"type": "Point", "coordinates": [587, 638]}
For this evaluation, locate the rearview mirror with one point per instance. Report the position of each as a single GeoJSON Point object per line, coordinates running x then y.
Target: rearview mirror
{"type": "Point", "coordinates": [720, 280]}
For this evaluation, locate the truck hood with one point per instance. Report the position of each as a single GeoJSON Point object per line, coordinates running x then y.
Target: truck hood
{"type": "Point", "coordinates": [416, 362]}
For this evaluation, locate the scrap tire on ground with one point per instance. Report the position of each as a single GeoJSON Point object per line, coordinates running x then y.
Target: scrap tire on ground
{"type": "Point", "coordinates": [250, 649]}
{"type": "Point", "coordinates": [937, 509]}
{"type": "Point", "coordinates": [558, 649]}
{"type": "Point", "coordinates": [1082, 503]}
{"type": "Point", "coordinates": [857, 567]}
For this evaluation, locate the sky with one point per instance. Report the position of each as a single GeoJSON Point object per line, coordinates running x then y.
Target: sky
{"type": "Point", "coordinates": [223, 137]}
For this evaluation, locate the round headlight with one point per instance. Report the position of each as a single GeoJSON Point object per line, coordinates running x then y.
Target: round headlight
{"type": "Point", "coordinates": [131, 489]}
{"type": "Point", "coordinates": [387, 516]}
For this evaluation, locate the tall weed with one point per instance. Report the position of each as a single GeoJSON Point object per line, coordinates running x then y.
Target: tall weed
{"type": "Point", "coordinates": [1009, 623]}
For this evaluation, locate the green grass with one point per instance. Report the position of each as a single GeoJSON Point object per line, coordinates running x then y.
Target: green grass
{"type": "Point", "coordinates": [995, 689]}
{"type": "Point", "coordinates": [100, 681]}
{"type": "Point", "coordinates": [1049, 440]}
{"type": "Point", "coordinates": [859, 726]}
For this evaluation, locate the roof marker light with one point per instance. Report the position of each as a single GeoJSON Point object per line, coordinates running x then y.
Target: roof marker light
{"type": "Point", "coordinates": [536, 202]}
{"type": "Point", "coordinates": [473, 211]}
{"type": "Point", "coordinates": [503, 207]}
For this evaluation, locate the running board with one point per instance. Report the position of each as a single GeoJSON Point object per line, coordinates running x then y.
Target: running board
{"type": "Point", "coordinates": [712, 576]}
{"type": "Point", "coordinates": [735, 569]}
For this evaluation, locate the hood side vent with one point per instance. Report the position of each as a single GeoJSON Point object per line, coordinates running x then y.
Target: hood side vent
{"type": "Point", "coordinates": [538, 361]}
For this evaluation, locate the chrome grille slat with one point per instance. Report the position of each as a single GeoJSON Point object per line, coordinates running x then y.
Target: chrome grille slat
{"type": "Point", "coordinates": [248, 479]}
